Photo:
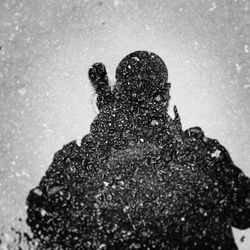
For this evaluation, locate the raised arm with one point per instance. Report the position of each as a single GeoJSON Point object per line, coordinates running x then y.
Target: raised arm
{"type": "Point", "coordinates": [235, 184]}
{"type": "Point", "coordinates": [238, 185]}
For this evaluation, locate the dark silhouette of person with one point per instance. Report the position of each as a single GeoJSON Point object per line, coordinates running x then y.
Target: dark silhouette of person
{"type": "Point", "coordinates": [138, 181]}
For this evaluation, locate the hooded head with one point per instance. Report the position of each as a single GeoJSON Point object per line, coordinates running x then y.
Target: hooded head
{"type": "Point", "coordinates": [142, 76]}
{"type": "Point", "coordinates": [139, 100]}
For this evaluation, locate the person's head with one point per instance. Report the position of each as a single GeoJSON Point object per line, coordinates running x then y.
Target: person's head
{"type": "Point", "coordinates": [142, 78]}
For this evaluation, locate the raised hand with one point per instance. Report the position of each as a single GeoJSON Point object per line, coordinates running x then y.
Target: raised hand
{"type": "Point", "coordinates": [99, 79]}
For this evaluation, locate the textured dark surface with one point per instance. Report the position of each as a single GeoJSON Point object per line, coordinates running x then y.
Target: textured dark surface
{"type": "Point", "coordinates": [46, 100]}
{"type": "Point", "coordinates": [137, 181]}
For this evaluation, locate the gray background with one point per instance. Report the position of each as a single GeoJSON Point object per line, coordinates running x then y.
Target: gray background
{"type": "Point", "coordinates": [46, 99]}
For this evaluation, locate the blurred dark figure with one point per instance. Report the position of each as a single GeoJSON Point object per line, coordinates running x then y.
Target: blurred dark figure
{"type": "Point", "coordinates": [138, 181]}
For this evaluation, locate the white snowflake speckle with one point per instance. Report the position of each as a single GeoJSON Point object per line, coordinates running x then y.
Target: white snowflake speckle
{"type": "Point", "coordinates": [214, 6]}
{"type": "Point", "coordinates": [22, 91]}
{"type": "Point", "coordinates": [238, 67]}
{"type": "Point", "coordinates": [246, 49]}
{"type": "Point", "coordinates": [105, 183]}
{"type": "Point", "coordinates": [216, 153]}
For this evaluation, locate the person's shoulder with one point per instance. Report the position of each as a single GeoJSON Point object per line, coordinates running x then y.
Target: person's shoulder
{"type": "Point", "coordinates": [67, 149]}
{"type": "Point", "coordinates": [73, 150]}
{"type": "Point", "coordinates": [71, 156]}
